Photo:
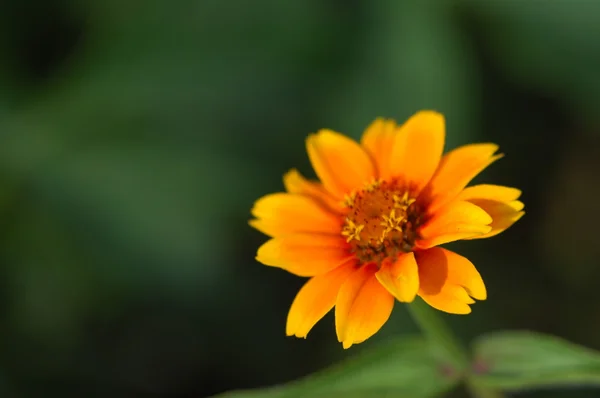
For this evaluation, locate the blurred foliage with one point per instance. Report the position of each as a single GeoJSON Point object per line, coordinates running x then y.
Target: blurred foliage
{"type": "Point", "coordinates": [525, 360]}
{"type": "Point", "coordinates": [397, 368]}
{"type": "Point", "coordinates": [135, 136]}
{"type": "Point", "coordinates": [414, 367]}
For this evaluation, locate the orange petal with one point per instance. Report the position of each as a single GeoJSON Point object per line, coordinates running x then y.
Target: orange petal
{"type": "Point", "coordinates": [400, 278]}
{"type": "Point", "coordinates": [457, 220]}
{"type": "Point", "coordinates": [439, 266]}
{"type": "Point", "coordinates": [284, 213]}
{"type": "Point", "coordinates": [378, 140]}
{"type": "Point", "coordinates": [304, 254]}
{"type": "Point", "coordinates": [418, 148]}
{"type": "Point", "coordinates": [499, 202]}
{"type": "Point", "coordinates": [490, 192]}
{"type": "Point", "coordinates": [503, 214]}
{"type": "Point", "coordinates": [362, 306]}
{"type": "Point", "coordinates": [294, 182]}
{"type": "Point", "coordinates": [448, 300]}
{"type": "Point", "coordinates": [457, 169]}
{"type": "Point", "coordinates": [315, 299]}
{"type": "Point", "coordinates": [340, 162]}
{"type": "Point", "coordinates": [448, 281]}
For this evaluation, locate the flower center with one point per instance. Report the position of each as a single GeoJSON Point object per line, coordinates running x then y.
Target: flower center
{"type": "Point", "coordinates": [382, 221]}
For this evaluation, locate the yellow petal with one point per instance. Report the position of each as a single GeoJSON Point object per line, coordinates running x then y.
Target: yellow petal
{"type": "Point", "coordinates": [315, 299]}
{"type": "Point", "coordinates": [294, 182]}
{"type": "Point", "coordinates": [491, 192]}
{"type": "Point", "coordinates": [465, 232]}
{"type": "Point", "coordinates": [456, 170]}
{"type": "Point", "coordinates": [341, 163]}
{"type": "Point", "coordinates": [448, 281]}
{"type": "Point", "coordinates": [304, 254]}
{"type": "Point", "coordinates": [448, 300]}
{"type": "Point", "coordinates": [362, 306]}
{"type": "Point", "coordinates": [401, 277]}
{"type": "Point", "coordinates": [457, 220]}
{"type": "Point", "coordinates": [499, 202]}
{"type": "Point", "coordinates": [284, 213]}
{"type": "Point", "coordinates": [503, 214]}
{"type": "Point", "coordinates": [378, 140]}
{"type": "Point", "coordinates": [418, 148]}
{"type": "Point", "coordinates": [439, 266]}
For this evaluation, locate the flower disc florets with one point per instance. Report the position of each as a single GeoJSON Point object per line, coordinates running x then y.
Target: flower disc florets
{"type": "Point", "coordinates": [382, 221]}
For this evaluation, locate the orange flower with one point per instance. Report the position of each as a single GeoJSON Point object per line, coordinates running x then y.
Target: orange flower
{"type": "Point", "coordinates": [367, 234]}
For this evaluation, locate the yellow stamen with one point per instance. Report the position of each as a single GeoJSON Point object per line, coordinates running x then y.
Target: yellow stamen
{"type": "Point", "coordinates": [352, 231]}
{"type": "Point", "coordinates": [403, 202]}
{"type": "Point", "coordinates": [392, 221]}
{"type": "Point", "coordinates": [349, 200]}
{"type": "Point", "coordinates": [370, 187]}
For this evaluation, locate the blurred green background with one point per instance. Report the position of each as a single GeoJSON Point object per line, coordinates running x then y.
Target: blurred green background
{"type": "Point", "coordinates": [135, 135]}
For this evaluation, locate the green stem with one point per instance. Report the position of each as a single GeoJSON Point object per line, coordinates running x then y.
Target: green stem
{"type": "Point", "coordinates": [439, 334]}
{"type": "Point", "coordinates": [481, 392]}
{"type": "Point", "coordinates": [444, 341]}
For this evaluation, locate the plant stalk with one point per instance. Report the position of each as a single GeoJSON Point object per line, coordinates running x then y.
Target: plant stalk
{"type": "Point", "coordinates": [445, 342]}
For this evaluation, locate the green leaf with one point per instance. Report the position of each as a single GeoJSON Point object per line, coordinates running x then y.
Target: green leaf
{"type": "Point", "coordinates": [527, 360]}
{"type": "Point", "coordinates": [406, 367]}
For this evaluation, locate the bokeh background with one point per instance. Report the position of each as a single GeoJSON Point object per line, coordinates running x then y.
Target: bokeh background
{"type": "Point", "coordinates": [135, 136]}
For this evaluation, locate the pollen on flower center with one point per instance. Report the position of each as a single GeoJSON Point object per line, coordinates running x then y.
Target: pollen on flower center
{"type": "Point", "coordinates": [382, 221]}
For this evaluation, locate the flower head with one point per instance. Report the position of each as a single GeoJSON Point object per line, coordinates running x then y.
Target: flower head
{"type": "Point", "coordinates": [368, 233]}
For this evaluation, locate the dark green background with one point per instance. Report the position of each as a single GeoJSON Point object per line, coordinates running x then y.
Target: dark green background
{"type": "Point", "coordinates": [135, 135]}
